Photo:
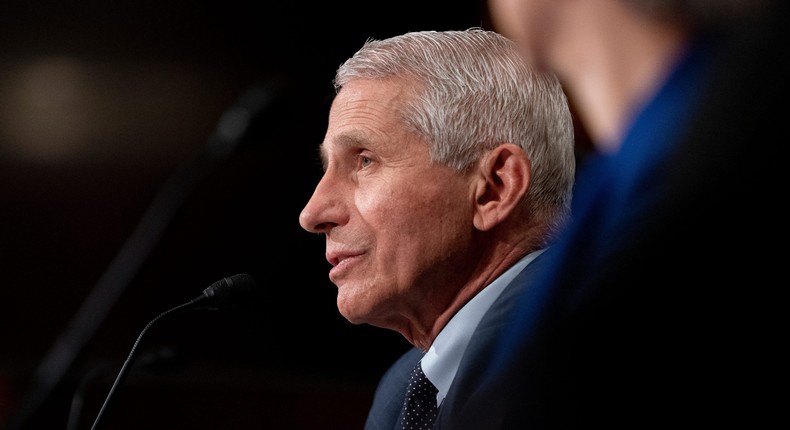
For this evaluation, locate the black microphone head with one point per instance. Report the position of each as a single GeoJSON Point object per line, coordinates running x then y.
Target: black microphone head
{"type": "Point", "coordinates": [230, 291]}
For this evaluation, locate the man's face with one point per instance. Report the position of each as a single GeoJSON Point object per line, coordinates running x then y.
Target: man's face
{"type": "Point", "coordinates": [398, 229]}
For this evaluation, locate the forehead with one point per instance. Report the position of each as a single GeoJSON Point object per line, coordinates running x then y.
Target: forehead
{"type": "Point", "coordinates": [367, 112]}
{"type": "Point", "coordinates": [367, 100]}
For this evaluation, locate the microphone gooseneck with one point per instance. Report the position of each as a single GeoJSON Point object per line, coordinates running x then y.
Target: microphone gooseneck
{"type": "Point", "coordinates": [229, 291]}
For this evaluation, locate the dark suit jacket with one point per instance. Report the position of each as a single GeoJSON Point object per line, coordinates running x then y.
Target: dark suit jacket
{"type": "Point", "coordinates": [391, 390]}
{"type": "Point", "coordinates": [679, 321]}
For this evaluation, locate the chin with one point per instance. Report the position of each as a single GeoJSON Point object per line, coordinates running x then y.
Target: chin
{"type": "Point", "coordinates": [347, 310]}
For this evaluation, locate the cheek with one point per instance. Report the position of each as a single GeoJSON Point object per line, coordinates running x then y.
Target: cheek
{"type": "Point", "coordinates": [417, 216]}
{"type": "Point", "coordinates": [406, 208]}
{"type": "Point", "coordinates": [373, 204]}
{"type": "Point", "coordinates": [383, 208]}
{"type": "Point", "coordinates": [424, 208]}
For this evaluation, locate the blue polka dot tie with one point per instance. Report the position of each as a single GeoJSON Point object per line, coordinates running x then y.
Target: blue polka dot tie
{"type": "Point", "coordinates": [419, 409]}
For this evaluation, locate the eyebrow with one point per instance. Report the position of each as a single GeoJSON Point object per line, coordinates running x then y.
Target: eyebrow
{"type": "Point", "coordinates": [342, 142]}
{"type": "Point", "coordinates": [322, 156]}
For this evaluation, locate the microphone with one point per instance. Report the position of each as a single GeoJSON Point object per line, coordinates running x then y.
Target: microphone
{"type": "Point", "coordinates": [227, 292]}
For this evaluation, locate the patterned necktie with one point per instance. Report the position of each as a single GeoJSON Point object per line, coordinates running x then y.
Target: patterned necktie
{"type": "Point", "coordinates": [419, 409]}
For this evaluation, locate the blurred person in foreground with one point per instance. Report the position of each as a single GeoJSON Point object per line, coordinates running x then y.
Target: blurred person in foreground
{"type": "Point", "coordinates": [659, 304]}
{"type": "Point", "coordinates": [448, 169]}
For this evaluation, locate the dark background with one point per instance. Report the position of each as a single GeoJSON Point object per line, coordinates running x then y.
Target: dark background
{"type": "Point", "coordinates": [103, 104]}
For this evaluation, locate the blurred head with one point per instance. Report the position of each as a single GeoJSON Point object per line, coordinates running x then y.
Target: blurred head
{"type": "Point", "coordinates": [612, 55]}
{"type": "Point", "coordinates": [444, 156]}
{"type": "Point", "coordinates": [531, 23]}
{"type": "Point", "coordinates": [543, 27]}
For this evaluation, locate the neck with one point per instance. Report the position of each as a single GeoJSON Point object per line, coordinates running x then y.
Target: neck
{"type": "Point", "coordinates": [500, 254]}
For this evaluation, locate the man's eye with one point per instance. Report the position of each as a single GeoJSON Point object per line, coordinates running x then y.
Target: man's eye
{"type": "Point", "coordinates": [364, 161]}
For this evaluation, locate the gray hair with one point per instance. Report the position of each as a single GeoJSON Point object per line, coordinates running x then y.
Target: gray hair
{"type": "Point", "coordinates": [472, 93]}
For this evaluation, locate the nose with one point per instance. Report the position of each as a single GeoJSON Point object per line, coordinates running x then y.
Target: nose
{"type": "Point", "coordinates": [324, 210]}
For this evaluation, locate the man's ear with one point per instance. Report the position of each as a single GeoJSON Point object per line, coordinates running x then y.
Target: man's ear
{"type": "Point", "coordinates": [503, 180]}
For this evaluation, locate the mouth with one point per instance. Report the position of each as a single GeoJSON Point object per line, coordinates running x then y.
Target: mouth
{"type": "Point", "coordinates": [341, 263]}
